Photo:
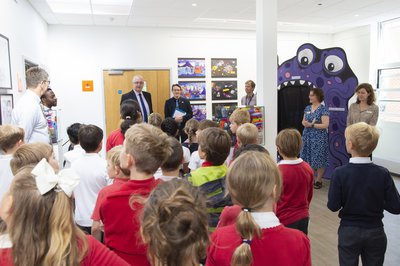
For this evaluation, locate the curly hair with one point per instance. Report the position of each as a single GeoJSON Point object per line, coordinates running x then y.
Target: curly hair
{"type": "Point", "coordinates": [174, 224]}
{"type": "Point", "coordinates": [169, 126]}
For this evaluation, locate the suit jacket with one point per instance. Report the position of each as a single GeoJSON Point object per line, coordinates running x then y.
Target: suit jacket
{"type": "Point", "coordinates": [132, 95]}
{"type": "Point", "coordinates": [183, 104]}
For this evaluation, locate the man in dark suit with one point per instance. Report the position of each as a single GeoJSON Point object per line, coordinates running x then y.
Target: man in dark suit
{"type": "Point", "coordinates": [178, 108]}
{"type": "Point", "coordinates": [142, 97]}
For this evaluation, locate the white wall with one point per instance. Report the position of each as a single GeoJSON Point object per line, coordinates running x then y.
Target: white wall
{"type": "Point", "coordinates": [27, 34]}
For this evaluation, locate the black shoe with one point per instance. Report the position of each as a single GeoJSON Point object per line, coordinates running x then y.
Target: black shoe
{"type": "Point", "coordinates": [318, 185]}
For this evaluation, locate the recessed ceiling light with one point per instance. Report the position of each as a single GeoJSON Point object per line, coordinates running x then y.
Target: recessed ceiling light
{"type": "Point", "coordinates": [356, 15]}
{"type": "Point", "coordinates": [194, 4]}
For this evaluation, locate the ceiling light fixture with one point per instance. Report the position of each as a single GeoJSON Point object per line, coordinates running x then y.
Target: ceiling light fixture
{"type": "Point", "coordinates": [194, 4]}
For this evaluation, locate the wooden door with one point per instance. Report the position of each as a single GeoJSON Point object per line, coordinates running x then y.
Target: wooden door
{"type": "Point", "coordinates": [118, 82]}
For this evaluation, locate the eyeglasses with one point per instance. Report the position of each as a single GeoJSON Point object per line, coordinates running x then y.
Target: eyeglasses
{"type": "Point", "coordinates": [138, 82]}
{"type": "Point", "coordinates": [48, 82]}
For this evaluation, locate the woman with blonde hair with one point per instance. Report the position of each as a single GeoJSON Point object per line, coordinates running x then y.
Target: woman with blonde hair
{"type": "Point", "coordinates": [174, 224]}
{"type": "Point", "coordinates": [257, 238]}
{"type": "Point", "coordinates": [41, 230]}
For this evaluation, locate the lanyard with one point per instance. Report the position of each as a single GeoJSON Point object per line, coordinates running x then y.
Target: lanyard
{"type": "Point", "coordinates": [251, 98]}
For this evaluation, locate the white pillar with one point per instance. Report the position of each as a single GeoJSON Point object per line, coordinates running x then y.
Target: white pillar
{"type": "Point", "coordinates": [266, 42]}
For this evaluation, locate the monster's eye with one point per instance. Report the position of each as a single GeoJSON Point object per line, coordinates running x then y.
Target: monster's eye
{"type": "Point", "coordinates": [333, 63]}
{"type": "Point", "coordinates": [305, 57]}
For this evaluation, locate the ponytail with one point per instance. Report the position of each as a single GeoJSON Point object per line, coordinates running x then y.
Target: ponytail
{"type": "Point", "coordinates": [130, 114]}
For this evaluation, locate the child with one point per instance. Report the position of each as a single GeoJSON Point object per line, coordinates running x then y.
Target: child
{"type": "Point", "coordinates": [145, 149]}
{"type": "Point", "coordinates": [33, 153]}
{"type": "Point", "coordinates": [361, 191]}
{"type": "Point", "coordinates": [75, 150]}
{"type": "Point", "coordinates": [130, 114]}
{"type": "Point", "coordinates": [195, 161]}
{"type": "Point", "coordinates": [40, 223]}
{"type": "Point", "coordinates": [247, 134]}
{"type": "Point", "coordinates": [257, 238]}
{"type": "Point", "coordinates": [191, 127]}
{"type": "Point", "coordinates": [119, 177]}
{"type": "Point", "coordinates": [93, 172]}
{"type": "Point", "coordinates": [293, 207]}
{"type": "Point", "coordinates": [170, 169]}
{"type": "Point", "coordinates": [238, 118]}
{"type": "Point", "coordinates": [155, 119]}
{"type": "Point", "coordinates": [11, 137]}
{"type": "Point", "coordinates": [174, 224]}
{"type": "Point", "coordinates": [214, 147]}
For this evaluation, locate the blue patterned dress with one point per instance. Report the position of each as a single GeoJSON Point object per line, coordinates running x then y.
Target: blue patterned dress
{"type": "Point", "coordinates": [315, 141]}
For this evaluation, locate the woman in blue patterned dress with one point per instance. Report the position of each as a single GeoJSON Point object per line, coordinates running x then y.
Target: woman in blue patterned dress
{"type": "Point", "coordinates": [315, 135]}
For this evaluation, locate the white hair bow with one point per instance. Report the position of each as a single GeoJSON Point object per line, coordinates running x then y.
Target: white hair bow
{"type": "Point", "coordinates": [47, 179]}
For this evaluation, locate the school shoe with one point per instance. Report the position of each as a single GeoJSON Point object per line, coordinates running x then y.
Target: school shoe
{"type": "Point", "coordinates": [318, 185]}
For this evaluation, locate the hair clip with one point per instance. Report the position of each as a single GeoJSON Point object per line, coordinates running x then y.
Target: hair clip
{"type": "Point", "coordinates": [245, 209]}
{"type": "Point", "coordinates": [246, 241]}
{"type": "Point", "coordinates": [127, 117]}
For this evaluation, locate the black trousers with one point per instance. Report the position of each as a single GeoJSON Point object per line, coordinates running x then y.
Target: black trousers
{"type": "Point", "coordinates": [368, 243]}
{"type": "Point", "coordinates": [301, 225]}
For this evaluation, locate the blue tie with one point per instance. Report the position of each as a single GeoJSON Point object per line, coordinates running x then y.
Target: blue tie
{"type": "Point", "coordinates": [143, 108]}
{"type": "Point", "coordinates": [176, 104]}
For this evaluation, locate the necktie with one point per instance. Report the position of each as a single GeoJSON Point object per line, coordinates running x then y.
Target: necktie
{"type": "Point", "coordinates": [176, 104]}
{"type": "Point", "coordinates": [143, 108]}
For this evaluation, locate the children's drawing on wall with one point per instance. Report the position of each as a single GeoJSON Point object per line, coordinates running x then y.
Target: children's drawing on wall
{"type": "Point", "coordinates": [193, 90]}
{"type": "Point", "coordinates": [199, 111]}
{"type": "Point", "coordinates": [224, 90]}
{"type": "Point", "coordinates": [223, 67]}
{"type": "Point", "coordinates": [191, 68]}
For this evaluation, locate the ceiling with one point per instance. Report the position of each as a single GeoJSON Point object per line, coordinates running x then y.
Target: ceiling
{"type": "Point", "coordinates": [326, 16]}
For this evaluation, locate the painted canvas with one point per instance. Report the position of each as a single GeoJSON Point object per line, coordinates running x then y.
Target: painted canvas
{"type": "Point", "coordinates": [224, 90]}
{"type": "Point", "coordinates": [193, 90]}
{"type": "Point", "coordinates": [223, 67]}
{"type": "Point", "coordinates": [191, 68]}
{"type": "Point", "coordinates": [199, 111]}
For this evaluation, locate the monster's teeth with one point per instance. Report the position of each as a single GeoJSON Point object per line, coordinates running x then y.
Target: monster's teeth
{"type": "Point", "coordinates": [279, 87]}
{"type": "Point", "coordinates": [309, 83]}
{"type": "Point", "coordinates": [285, 83]}
{"type": "Point", "coordinates": [291, 82]}
{"type": "Point", "coordinates": [302, 82]}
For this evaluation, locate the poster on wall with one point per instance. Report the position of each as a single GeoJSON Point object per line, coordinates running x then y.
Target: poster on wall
{"type": "Point", "coordinates": [223, 67]}
{"type": "Point", "coordinates": [199, 111]}
{"type": "Point", "coordinates": [224, 90]}
{"type": "Point", "coordinates": [6, 106]}
{"type": "Point", "coordinates": [191, 68]}
{"type": "Point", "coordinates": [5, 63]}
{"type": "Point", "coordinates": [193, 90]}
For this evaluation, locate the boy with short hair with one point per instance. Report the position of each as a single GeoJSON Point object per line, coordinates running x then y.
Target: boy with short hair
{"type": "Point", "coordinates": [293, 207]}
{"type": "Point", "coordinates": [119, 176]}
{"type": "Point", "coordinates": [11, 137]}
{"type": "Point", "coordinates": [247, 134]}
{"type": "Point", "coordinates": [361, 191]}
{"type": "Point", "coordinates": [145, 149]}
{"type": "Point", "coordinates": [170, 168]}
{"type": "Point", "coordinates": [238, 118]}
{"type": "Point", "coordinates": [92, 170]}
{"type": "Point", "coordinates": [214, 147]}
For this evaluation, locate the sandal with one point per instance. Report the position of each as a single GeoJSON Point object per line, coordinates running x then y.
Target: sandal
{"type": "Point", "coordinates": [318, 185]}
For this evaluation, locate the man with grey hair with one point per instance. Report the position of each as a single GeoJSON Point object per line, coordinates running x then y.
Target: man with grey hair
{"type": "Point", "coordinates": [28, 113]}
{"type": "Point", "coordinates": [142, 97]}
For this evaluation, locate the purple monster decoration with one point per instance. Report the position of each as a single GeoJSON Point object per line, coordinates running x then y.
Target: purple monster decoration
{"type": "Point", "coordinates": [327, 69]}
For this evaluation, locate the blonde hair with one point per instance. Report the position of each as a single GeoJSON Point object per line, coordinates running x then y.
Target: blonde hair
{"type": "Point", "coordinates": [155, 119]}
{"type": "Point", "coordinates": [363, 137]}
{"type": "Point", "coordinates": [247, 134]}
{"type": "Point", "coordinates": [174, 224]}
{"type": "Point", "coordinates": [42, 227]}
{"type": "Point", "coordinates": [252, 180]}
{"type": "Point", "coordinates": [191, 126]}
{"type": "Point", "coordinates": [240, 116]}
{"type": "Point", "coordinates": [289, 142]}
{"type": "Point", "coordinates": [10, 135]}
{"type": "Point", "coordinates": [30, 153]}
{"type": "Point", "coordinates": [149, 147]}
{"type": "Point", "coordinates": [113, 157]}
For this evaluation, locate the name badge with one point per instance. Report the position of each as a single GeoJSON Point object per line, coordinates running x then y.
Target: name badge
{"type": "Point", "coordinates": [308, 112]}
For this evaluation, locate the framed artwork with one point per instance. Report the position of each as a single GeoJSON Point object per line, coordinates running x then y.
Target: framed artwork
{"type": "Point", "coordinates": [221, 114]}
{"type": "Point", "coordinates": [191, 68]}
{"type": "Point", "coordinates": [6, 106]}
{"type": "Point", "coordinates": [224, 90]}
{"type": "Point", "coordinates": [193, 90]}
{"type": "Point", "coordinates": [199, 111]}
{"type": "Point", "coordinates": [223, 67]}
{"type": "Point", "coordinates": [5, 63]}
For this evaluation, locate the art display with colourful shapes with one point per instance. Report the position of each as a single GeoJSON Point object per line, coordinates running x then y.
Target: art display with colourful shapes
{"type": "Point", "coordinates": [224, 90]}
{"type": "Point", "coordinates": [221, 113]}
{"type": "Point", "coordinates": [193, 90]}
{"type": "Point", "coordinates": [223, 67]}
{"type": "Point", "coordinates": [199, 111]}
{"type": "Point", "coordinates": [191, 68]}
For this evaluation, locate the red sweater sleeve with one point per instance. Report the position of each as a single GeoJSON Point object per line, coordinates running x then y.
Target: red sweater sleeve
{"type": "Point", "coordinates": [100, 255]}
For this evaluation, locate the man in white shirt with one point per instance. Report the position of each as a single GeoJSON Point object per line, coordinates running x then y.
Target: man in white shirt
{"type": "Point", "coordinates": [251, 98]}
{"type": "Point", "coordinates": [28, 113]}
